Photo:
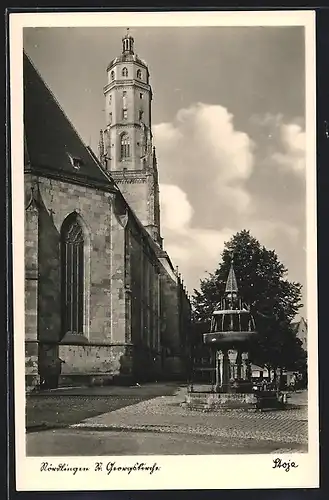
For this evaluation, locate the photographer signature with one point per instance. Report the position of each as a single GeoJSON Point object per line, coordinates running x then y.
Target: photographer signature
{"type": "Point", "coordinates": [278, 463]}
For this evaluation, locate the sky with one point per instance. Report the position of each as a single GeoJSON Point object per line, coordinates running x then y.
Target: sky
{"type": "Point", "coordinates": [228, 123]}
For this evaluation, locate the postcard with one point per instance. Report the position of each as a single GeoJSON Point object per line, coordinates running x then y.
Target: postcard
{"type": "Point", "coordinates": [164, 250]}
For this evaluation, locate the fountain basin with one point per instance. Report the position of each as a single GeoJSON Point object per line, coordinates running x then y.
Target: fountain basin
{"type": "Point", "coordinates": [228, 337]}
{"type": "Point", "coordinates": [216, 401]}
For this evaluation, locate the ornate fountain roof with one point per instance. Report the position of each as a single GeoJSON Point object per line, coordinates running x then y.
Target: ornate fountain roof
{"type": "Point", "coordinates": [231, 283]}
{"type": "Point", "coordinates": [231, 323]}
{"type": "Point", "coordinates": [230, 302]}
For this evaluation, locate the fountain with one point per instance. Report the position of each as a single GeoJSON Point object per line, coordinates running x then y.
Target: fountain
{"type": "Point", "coordinates": [231, 329]}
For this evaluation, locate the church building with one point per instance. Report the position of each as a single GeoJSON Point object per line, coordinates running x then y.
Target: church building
{"type": "Point", "coordinates": [103, 302]}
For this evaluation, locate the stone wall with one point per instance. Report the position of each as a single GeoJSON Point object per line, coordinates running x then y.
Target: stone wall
{"type": "Point", "coordinates": [135, 192]}
{"type": "Point", "coordinates": [122, 310]}
{"type": "Point", "coordinates": [94, 364]}
{"type": "Point", "coordinates": [31, 286]}
{"type": "Point", "coordinates": [104, 234]}
{"type": "Point", "coordinates": [175, 321]}
{"type": "Point", "coordinates": [144, 288]}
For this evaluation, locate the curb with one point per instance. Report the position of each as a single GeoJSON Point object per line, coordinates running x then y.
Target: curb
{"type": "Point", "coordinates": [45, 427]}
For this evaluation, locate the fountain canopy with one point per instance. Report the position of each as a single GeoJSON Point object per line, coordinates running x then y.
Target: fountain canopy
{"type": "Point", "coordinates": [232, 324]}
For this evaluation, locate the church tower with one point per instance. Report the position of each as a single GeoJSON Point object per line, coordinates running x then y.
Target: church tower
{"type": "Point", "coordinates": [126, 145]}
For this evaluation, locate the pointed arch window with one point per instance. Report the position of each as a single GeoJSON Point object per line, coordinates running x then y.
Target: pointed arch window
{"type": "Point", "coordinates": [139, 74]}
{"type": "Point", "coordinates": [72, 267]}
{"type": "Point", "coordinates": [125, 146]}
{"type": "Point", "coordinates": [124, 72]}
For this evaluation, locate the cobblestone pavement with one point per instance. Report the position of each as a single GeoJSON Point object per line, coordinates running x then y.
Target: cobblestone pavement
{"type": "Point", "coordinates": [165, 414]}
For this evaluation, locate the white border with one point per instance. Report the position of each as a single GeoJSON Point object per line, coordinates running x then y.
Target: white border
{"type": "Point", "coordinates": [177, 472]}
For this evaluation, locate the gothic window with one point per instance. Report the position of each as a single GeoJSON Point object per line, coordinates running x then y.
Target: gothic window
{"type": "Point", "coordinates": [125, 146]}
{"type": "Point", "coordinates": [124, 114]}
{"type": "Point", "coordinates": [112, 75]}
{"type": "Point", "coordinates": [124, 72]}
{"type": "Point", "coordinates": [139, 74]}
{"type": "Point", "coordinates": [72, 274]}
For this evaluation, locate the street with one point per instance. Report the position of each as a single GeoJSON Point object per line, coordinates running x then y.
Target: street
{"type": "Point", "coordinates": [128, 422]}
{"type": "Point", "coordinates": [68, 442]}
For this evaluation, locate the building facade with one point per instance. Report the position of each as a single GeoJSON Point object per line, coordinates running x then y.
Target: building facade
{"type": "Point", "coordinates": [103, 302]}
{"type": "Point", "coordinates": [300, 328]}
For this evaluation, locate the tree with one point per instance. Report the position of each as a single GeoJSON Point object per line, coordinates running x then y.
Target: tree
{"type": "Point", "coordinates": [273, 300]}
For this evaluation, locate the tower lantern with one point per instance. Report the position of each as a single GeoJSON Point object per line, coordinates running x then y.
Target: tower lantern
{"type": "Point", "coordinates": [127, 43]}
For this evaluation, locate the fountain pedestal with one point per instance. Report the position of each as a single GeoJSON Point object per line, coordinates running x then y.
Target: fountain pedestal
{"type": "Point", "coordinates": [232, 370]}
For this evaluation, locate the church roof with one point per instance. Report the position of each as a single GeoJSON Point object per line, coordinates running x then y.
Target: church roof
{"type": "Point", "coordinates": [231, 283]}
{"type": "Point", "coordinates": [52, 147]}
{"type": "Point", "coordinates": [126, 58]}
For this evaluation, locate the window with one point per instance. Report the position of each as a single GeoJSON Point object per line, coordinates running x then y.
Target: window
{"type": "Point", "coordinates": [141, 96]}
{"type": "Point", "coordinates": [124, 114]}
{"type": "Point", "coordinates": [112, 75]}
{"type": "Point", "coordinates": [110, 118]}
{"type": "Point", "coordinates": [124, 93]}
{"type": "Point", "coordinates": [110, 99]}
{"type": "Point", "coordinates": [139, 74]}
{"type": "Point", "coordinates": [72, 270]}
{"type": "Point", "coordinates": [124, 72]}
{"type": "Point", "coordinates": [75, 162]}
{"type": "Point", "coordinates": [125, 146]}
{"type": "Point", "coordinates": [141, 112]}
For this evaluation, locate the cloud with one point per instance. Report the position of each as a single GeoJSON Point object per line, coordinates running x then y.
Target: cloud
{"type": "Point", "coordinates": [195, 250]}
{"type": "Point", "coordinates": [202, 147]}
{"type": "Point", "coordinates": [292, 158]}
{"type": "Point", "coordinates": [216, 180]}
{"type": "Point", "coordinates": [217, 141]}
{"type": "Point", "coordinates": [283, 144]}
{"type": "Point", "coordinates": [176, 211]}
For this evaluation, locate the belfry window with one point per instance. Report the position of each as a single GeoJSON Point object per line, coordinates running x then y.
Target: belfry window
{"type": "Point", "coordinates": [125, 146]}
{"type": "Point", "coordinates": [72, 274]}
{"type": "Point", "coordinates": [112, 75]}
{"type": "Point", "coordinates": [139, 74]}
{"type": "Point", "coordinates": [124, 72]}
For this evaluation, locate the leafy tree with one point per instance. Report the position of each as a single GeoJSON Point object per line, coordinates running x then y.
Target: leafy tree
{"type": "Point", "coordinates": [273, 300]}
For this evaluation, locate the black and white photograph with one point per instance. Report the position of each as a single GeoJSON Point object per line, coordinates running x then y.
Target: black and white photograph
{"type": "Point", "coordinates": [164, 242]}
